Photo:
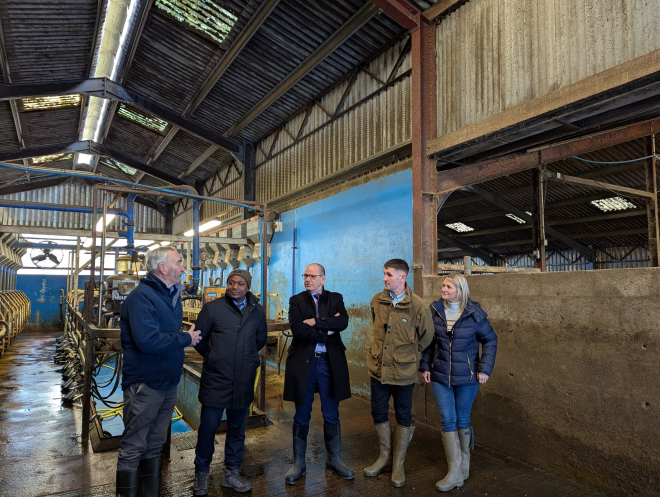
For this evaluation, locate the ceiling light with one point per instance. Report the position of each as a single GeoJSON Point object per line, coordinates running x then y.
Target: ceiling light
{"type": "Point", "coordinates": [460, 227]}
{"type": "Point", "coordinates": [189, 233]}
{"type": "Point", "coordinates": [209, 225]}
{"type": "Point", "coordinates": [84, 159]}
{"type": "Point", "coordinates": [108, 220]}
{"type": "Point", "coordinates": [516, 218]}
{"type": "Point", "coordinates": [613, 204]}
{"type": "Point", "coordinates": [164, 244]}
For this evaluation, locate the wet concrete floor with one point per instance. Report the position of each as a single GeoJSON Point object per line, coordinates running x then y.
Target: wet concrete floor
{"type": "Point", "coordinates": [41, 452]}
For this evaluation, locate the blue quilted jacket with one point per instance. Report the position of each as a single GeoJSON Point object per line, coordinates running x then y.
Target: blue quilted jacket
{"type": "Point", "coordinates": [453, 358]}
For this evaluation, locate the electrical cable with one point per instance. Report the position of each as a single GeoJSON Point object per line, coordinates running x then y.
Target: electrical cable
{"type": "Point", "coordinates": [618, 162]}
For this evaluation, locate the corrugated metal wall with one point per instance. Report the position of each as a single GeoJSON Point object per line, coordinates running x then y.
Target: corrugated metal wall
{"type": "Point", "coordinates": [493, 55]}
{"type": "Point", "coordinates": [147, 220]}
{"type": "Point", "coordinates": [232, 189]}
{"type": "Point", "coordinates": [380, 123]}
{"type": "Point", "coordinates": [571, 260]}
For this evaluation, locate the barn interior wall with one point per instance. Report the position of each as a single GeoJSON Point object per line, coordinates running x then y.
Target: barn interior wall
{"type": "Point", "coordinates": [494, 56]}
{"type": "Point", "coordinates": [574, 389]}
{"type": "Point", "coordinates": [44, 294]}
{"type": "Point", "coordinates": [351, 233]}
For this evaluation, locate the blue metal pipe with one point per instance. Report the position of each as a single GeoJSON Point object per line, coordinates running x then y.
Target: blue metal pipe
{"type": "Point", "coordinates": [195, 254]}
{"type": "Point", "coordinates": [62, 208]}
{"type": "Point", "coordinates": [130, 223]}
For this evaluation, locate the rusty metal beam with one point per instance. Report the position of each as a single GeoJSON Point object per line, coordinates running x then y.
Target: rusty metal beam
{"type": "Point", "coordinates": [348, 29]}
{"type": "Point", "coordinates": [443, 7]}
{"type": "Point", "coordinates": [425, 205]}
{"type": "Point", "coordinates": [651, 175]}
{"type": "Point", "coordinates": [454, 179]}
{"type": "Point", "coordinates": [400, 11]}
{"type": "Point", "coordinates": [598, 184]}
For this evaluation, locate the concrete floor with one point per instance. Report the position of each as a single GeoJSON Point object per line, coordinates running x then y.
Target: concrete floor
{"type": "Point", "coordinates": [41, 452]}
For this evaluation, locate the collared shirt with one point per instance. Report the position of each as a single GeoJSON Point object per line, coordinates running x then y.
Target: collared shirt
{"type": "Point", "coordinates": [398, 298]}
{"type": "Point", "coordinates": [320, 347]}
{"type": "Point", "coordinates": [241, 304]}
{"type": "Point", "coordinates": [175, 291]}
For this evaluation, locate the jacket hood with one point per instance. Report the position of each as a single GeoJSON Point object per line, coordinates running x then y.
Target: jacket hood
{"type": "Point", "coordinates": [472, 308]}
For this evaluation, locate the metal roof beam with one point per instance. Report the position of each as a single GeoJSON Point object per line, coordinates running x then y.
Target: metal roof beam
{"type": "Point", "coordinates": [442, 7]}
{"type": "Point", "coordinates": [598, 184]}
{"type": "Point", "coordinates": [32, 185]}
{"type": "Point", "coordinates": [478, 172]}
{"type": "Point", "coordinates": [465, 247]}
{"type": "Point", "coordinates": [105, 88]}
{"type": "Point", "coordinates": [198, 161]}
{"type": "Point", "coordinates": [348, 29]}
{"type": "Point", "coordinates": [88, 147]}
{"type": "Point", "coordinates": [6, 74]}
{"type": "Point", "coordinates": [401, 12]}
{"type": "Point", "coordinates": [232, 52]}
{"type": "Point", "coordinates": [502, 204]}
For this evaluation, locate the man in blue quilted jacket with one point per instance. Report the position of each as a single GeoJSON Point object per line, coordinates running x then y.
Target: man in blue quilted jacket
{"type": "Point", "coordinates": [152, 343]}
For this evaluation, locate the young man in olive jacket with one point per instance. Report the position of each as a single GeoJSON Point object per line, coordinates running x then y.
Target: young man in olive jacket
{"type": "Point", "coordinates": [233, 331]}
{"type": "Point", "coordinates": [403, 328]}
{"type": "Point", "coordinates": [317, 363]}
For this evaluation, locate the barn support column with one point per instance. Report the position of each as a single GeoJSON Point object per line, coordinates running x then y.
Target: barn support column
{"type": "Point", "coordinates": [538, 218]}
{"type": "Point", "coordinates": [652, 204]}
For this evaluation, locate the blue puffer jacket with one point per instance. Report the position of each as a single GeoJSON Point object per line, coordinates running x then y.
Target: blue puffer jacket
{"type": "Point", "coordinates": [453, 358]}
{"type": "Point", "coordinates": [151, 338]}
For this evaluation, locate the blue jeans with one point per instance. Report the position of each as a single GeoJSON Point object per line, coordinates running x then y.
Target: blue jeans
{"type": "Point", "coordinates": [402, 396]}
{"type": "Point", "coordinates": [209, 421]}
{"type": "Point", "coordinates": [455, 404]}
{"type": "Point", "coordinates": [320, 377]}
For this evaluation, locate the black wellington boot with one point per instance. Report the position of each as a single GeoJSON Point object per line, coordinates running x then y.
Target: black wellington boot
{"type": "Point", "coordinates": [333, 463]}
{"type": "Point", "coordinates": [299, 466]}
{"type": "Point", "coordinates": [127, 483]}
{"type": "Point", "coordinates": [150, 471]}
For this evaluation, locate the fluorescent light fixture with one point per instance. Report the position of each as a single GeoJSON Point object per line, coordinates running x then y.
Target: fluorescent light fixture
{"type": "Point", "coordinates": [613, 204]}
{"type": "Point", "coordinates": [460, 227]}
{"type": "Point", "coordinates": [84, 158]}
{"type": "Point", "coordinates": [165, 244]}
{"type": "Point", "coordinates": [516, 218]}
{"type": "Point", "coordinates": [204, 227]}
{"type": "Point", "coordinates": [108, 220]}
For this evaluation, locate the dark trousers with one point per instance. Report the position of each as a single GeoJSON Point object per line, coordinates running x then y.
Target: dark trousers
{"type": "Point", "coordinates": [402, 395]}
{"type": "Point", "coordinates": [320, 378]}
{"type": "Point", "coordinates": [209, 422]}
{"type": "Point", "coordinates": [147, 416]}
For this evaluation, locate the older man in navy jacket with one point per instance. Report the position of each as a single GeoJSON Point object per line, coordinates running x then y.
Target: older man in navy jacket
{"type": "Point", "coordinates": [152, 344]}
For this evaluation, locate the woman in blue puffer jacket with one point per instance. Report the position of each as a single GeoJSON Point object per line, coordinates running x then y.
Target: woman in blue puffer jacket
{"type": "Point", "coordinates": [453, 364]}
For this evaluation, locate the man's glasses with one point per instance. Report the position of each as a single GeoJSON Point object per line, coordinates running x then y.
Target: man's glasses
{"type": "Point", "coordinates": [311, 276]}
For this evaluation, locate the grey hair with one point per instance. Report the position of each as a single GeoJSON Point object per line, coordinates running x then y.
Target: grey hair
{"type": "Point", "coordinates": [155, 256]}
{"type": "Point", "coordinates": [461, 284]}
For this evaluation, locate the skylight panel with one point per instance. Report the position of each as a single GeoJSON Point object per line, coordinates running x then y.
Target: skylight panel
{"type": "Point", "coordinates": [205, 16]}
{"type": "Point", "coordinates": [54, 102]}
{"type": "Point", "coordinates": [517, 219]}
{"type": "Point", "coordinates": [141, 118]}
{"type": "Point", "coordinates": [118, 165]}
{"type": "Point", "coordinates": [613, 204]}
{"type": "Point", "coordinates": [50, 158]}
{"type": "Point", "coordinates": [460, 227]}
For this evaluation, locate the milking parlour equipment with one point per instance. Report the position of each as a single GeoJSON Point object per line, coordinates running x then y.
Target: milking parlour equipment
{"type": "Point", "coordinates": [14, 305]}
{"type": "Point", "coordinates": [91, 341]}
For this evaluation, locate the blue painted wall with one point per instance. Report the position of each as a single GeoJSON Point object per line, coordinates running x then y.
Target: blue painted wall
{"type": "Point", "coordinates": [44, 294]}
{"type": "Point", "coordinates": [351, 234]}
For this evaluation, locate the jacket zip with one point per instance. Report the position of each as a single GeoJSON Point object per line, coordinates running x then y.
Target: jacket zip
{"type": "Point", "coordinates": [470, 366]}
{"type": "Point", "coordinates": [450, 341]}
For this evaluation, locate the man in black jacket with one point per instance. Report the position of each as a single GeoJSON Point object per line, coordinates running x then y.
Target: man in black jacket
{"type": "Point", "coordinates": [233, 331]}
{"type": "Point", "coordinates": [152, 346]}
{"type": "Point", "coordinates": [317, 363]}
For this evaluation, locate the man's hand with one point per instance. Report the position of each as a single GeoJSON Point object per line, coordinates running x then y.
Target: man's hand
{"type": "Point", "coordinates": [332, 332]}
{"type": "Point", "coordinates": [196, 335]}
{"type": "Point", "coordinates": [310, 322]}
{"type": "Point", "coordinates": [427, 376]}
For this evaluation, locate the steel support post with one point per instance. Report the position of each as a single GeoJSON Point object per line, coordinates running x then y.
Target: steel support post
{"type": "Point", "coordinates": [538, 218]}
{"type": "Point", "coordinates": [77, 271]}
{"type": "Point", "coordinates": [87, 382]}
{"type": "Point", "coordinates": [104, 216]}
{"type": "Point", "coordinates": [652, 204]}
{"type": "Point", "coordinates": [425, 222]}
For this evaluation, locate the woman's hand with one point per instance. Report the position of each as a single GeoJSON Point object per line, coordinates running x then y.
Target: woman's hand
{"type": "Point", "coordinates": [482, 377]}
{"type": "Point", "coordinates": [427, 376]}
